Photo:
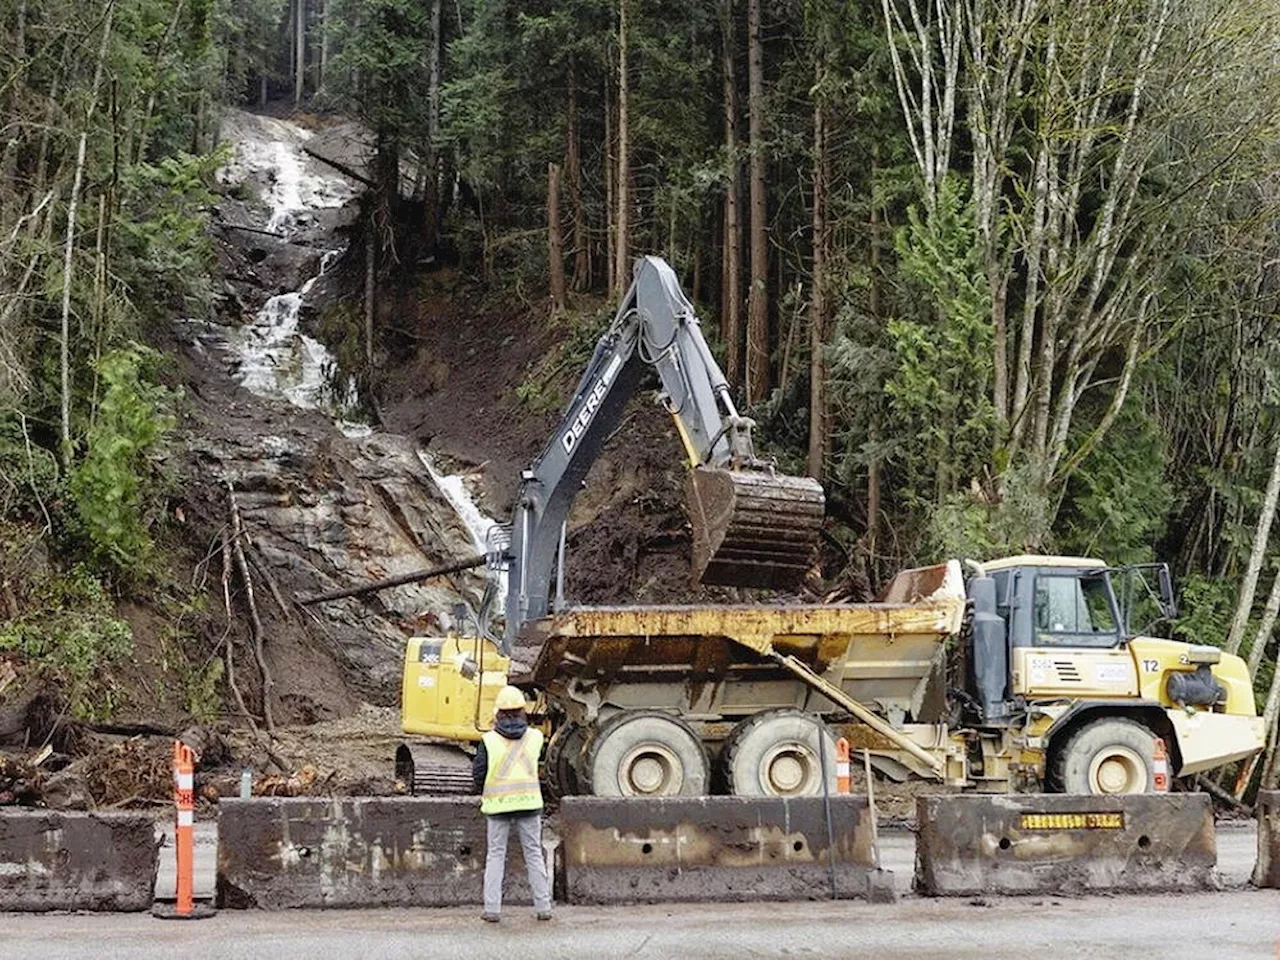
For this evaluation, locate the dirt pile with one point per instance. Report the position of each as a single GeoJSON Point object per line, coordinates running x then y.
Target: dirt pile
{"type": "Point", "coordinates": [462, 361]}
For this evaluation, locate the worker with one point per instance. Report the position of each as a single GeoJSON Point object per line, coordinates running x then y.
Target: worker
{"type": "Point", "coordinates": [505, 774]}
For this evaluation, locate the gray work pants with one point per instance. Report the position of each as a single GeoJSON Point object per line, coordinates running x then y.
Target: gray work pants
{"type": "Point", "coordinates": [529, 826]}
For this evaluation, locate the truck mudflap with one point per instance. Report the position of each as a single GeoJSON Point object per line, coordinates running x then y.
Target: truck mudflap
{"type": "Point", "coordinates": [1207, 740]}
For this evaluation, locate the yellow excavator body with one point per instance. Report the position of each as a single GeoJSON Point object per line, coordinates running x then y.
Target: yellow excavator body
{"type": "Point", "coordinates": [450, 686]}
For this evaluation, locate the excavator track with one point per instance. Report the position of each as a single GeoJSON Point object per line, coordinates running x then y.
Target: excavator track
{"type": "Point", "coordinates": [433, 770]}
{"type": "Point", "coordinates": [753, 528]}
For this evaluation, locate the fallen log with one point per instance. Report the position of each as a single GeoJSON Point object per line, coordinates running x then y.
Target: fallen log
{"type": "Point", "coordinates": [415, 576]}
{"type": "Point", "coordinates": [255, 621]}
{"type": "Point", "coordinates": [257, 230]}
{"type": "Point", "coordinates": [342, 168]}
{"type": "Point", "coordinates": [1218, 793]}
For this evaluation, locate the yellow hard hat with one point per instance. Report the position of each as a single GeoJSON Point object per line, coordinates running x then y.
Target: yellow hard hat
{"type": "Point", "coordinates": [509, 698]}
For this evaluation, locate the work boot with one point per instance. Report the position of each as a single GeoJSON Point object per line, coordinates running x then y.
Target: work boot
{"type": "Point", "coordinates": [489, 917]}
{"type": "Point", "coordinates": [544, 914]}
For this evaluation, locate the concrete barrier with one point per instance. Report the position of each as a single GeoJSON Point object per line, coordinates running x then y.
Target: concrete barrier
{"type": "Point", "coordinates": [1037, 844]}
{"type": "Point", "coordinates": [1267, 872]}
{"type": "Point", "coordinates": [716, 848]}
{"type": "Point", "coordinates": [279, 853]}
{"type": "Point", "coordinates": [76, 861]}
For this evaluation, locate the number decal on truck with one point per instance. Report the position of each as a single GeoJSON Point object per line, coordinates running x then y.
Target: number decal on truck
{"type": "Point", "coordinates": [1150, 666]}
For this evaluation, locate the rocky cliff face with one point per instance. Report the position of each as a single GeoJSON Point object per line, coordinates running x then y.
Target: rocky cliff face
{"type": "Point", "coordinates": [325, 502]}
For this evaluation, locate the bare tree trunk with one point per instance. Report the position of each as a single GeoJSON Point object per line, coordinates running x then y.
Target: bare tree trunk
{"type": "Point", "coordinates": [758, 297]}
{"type": "Point", "coordinates": [65, 341]}
{"type": "Point", "coordinates": [370, 276]}
{"type": "Point", "coordinates": [431, 194]}
{"type": "Point", "coordinates": [323, 68]}
{"type": "Point", "coordinates": [573, 175]}
{"type": "Point", "coordinates": [1261, 535]}
{"type": "Point", "coordinates": [555, 238]}
{"type": "Point", "coordinates": [99, 296]}
{"type": "Point", "coordinates": [299, 50]}
{"type": "Point", "coordinates": [731, 297]}
{"type": "Point", "coordinates": [622, 255]}
{"type": "Point", "coordinates": [69, 250]}
{"type": "Point", "coordinates": [1270, 713]}
{"type": "Point", "coordinates": [818, 299]}
{"type": "Point", "coordinates": [238, 539]}
{"type": "Point", "coordinates": [1263, 636]}
{"type": "Point", "coordinates": [873, 430]}
{"type": "Point", "coordinates": [610, 175]}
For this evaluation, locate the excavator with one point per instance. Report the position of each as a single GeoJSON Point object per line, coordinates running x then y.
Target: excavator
{"type": "Point", "coordinates": [752, 526]}
{"type": "Point", "coordinates": [1027, 673]}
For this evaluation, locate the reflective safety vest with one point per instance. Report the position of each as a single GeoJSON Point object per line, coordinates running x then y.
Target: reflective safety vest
{"type": "Point", "coordinates": [511, 784]}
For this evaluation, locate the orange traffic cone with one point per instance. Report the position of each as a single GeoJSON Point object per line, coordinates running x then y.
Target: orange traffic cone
{"type": "Point", "coordinates": [842, 765]}
{"type": "Point", "coordinates": [184, 907]}
{"type": "Point", "coordinates": [1160, 767]}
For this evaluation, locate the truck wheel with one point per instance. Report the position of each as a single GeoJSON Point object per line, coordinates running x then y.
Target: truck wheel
{"type": "Point", "coordinates": [643, 753]}
{"type": "Point", "coordinates": [1107, 757]}
{"type": "Point", "coordinates": [564, 753]}
{"type": "Point", "coordinates": [775, 754]}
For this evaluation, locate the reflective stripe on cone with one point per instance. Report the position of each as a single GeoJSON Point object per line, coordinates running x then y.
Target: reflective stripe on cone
{"type": "Point", "coordinates": [1160, 767]}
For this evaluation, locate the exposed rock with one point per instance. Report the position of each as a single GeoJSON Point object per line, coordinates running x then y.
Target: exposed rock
{"type": "Point", "coordinates": [321, 510]}
{"type": "Point", "coordinates": [67, 790]}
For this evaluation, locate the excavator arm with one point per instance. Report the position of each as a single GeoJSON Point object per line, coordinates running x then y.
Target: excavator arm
{"type": "Point", "coordinates": [752, 526]}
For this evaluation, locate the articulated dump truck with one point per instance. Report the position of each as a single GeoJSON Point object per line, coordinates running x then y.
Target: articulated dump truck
{"type": "Point", "coordinates": [1032, 674]}
{"type": "Point", "coordinates": [1026, 678]}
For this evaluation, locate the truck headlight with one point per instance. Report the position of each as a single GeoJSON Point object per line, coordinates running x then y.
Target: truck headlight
{"type": "Point", "coordinates": [1204, 654]}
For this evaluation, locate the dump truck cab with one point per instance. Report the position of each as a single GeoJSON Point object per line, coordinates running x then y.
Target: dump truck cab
{"type": "Point", "coordinates": [1064, 675]}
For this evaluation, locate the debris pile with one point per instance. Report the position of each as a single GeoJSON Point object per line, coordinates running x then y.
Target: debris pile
{"type": "Point", "coordinates": [19, 782]}
{"type": "Point", "coordinates": [122, 773]}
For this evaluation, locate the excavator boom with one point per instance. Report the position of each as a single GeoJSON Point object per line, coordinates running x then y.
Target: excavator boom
{"type": "Point", "coordinates": [752, 526]}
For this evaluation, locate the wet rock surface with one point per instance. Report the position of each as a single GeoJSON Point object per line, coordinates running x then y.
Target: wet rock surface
{"type": "Point", "coordinates": [262, 423]}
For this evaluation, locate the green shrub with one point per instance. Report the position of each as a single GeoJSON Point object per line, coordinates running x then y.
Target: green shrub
{"type": "Point", "coordinates": [118, 482]}
{"type": "Point", "coordinates": [67, 629]}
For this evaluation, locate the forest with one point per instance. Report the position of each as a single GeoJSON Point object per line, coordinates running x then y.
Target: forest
{"type": "Point", "coordinates": [1001, 274]}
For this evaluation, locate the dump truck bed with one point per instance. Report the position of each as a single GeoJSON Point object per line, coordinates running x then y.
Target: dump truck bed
{"type": "Point", "coordinates": [723, 661]}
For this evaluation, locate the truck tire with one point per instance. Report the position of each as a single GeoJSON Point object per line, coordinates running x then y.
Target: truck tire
{"type": "Point", "coordinates": [1106, 757]}
{"type": "Point", "coordinates": [775, 753]}
{"type": "Point", "coordinates": [646, 753]}
{"type": "Point", "coordinates": [564, 754]}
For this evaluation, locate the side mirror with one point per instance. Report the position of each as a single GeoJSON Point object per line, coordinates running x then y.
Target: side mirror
{"type": "Point", "coordinates": [468, 668]}
{"type": "Point", "coordinates": [460, 613]}
{"type": "Point", "coordinates": [1168, 605]}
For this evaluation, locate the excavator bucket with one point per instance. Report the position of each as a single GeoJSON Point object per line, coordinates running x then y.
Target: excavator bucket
{"type": "Point", "coordinates": [753, 528]}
